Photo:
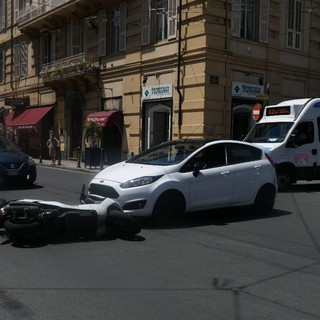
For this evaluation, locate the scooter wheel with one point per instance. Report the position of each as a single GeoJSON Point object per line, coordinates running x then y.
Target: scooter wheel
{"type": "Point", "coordinates": [22, 229]}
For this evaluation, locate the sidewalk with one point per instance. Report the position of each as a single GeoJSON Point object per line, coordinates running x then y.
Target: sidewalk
{"type": "Point", "coordinates": [68, 164]}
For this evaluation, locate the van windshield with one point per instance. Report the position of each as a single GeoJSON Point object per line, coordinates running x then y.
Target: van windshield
{"type": "Point", "coordinates": [271, 132]}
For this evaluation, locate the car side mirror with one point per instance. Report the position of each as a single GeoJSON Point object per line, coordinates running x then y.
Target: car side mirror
{"type": "Point", "coordinates": [197, 166]}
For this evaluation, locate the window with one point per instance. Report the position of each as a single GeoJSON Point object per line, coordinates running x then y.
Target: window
{"type": "Point", "coordinates": [2, 66]}
{"type": "Point", "coordinates": [294, 24]}
{"type": "Point", "coordinates": [76, 37]}
{"type": "Point", "coordinates": [48, 47]}
{"type": "Point", "coordinates": [303, 133]}
{"type": "Point", "coordinates": [112, 30]}
{"type": "Point", "coordinates": [241, 153]}
{"type": "Point", "coordinates": [160, 16]}
{"type": "Point", "coordinates": [2, 14]}
{"type": "Point", "coordinates": [20, 57]}
{"type": "Point", "coordinates": [20, 5]}
{"type": "Point", "coordinates": [250, 19]}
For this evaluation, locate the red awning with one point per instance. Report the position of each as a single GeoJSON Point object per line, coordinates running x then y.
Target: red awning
{"type": "Point", "coordinates": [27, 119]}
{"type": "Point", "coordinates": [106, 118]}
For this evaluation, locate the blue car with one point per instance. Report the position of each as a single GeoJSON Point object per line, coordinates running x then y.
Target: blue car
{"type": "Point", "coordinates": [15, 165]}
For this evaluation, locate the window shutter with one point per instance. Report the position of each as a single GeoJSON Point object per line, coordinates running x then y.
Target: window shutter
{"type": "Point", "coordinates": [24, 58]}
{"type": "Point", "coordinates": [146, 18]}
{"type": "Point", "coordinates": [236, 18]}
{"type": "Point", "coordinates": [53, 40]}
{"type": "Point", "coordinates": [3, 15]}
{"type": "Point", "coordinates": [102, 35]}
{"type": "Point", "coordinates": [16, 60]}
{"type": "Point", "coordinates": [16, 10]}
{"type": "Point", "coordinates": [123, 27]}
{"type": "Point", "coordinates": [45, 48]}
{"type": "Point", "coordinates": [76, 37]}
{"type": "Point", "coordinates": [264, 21]}
{"type": "Point", "coordinates": [172, 17]}
{"type": "Point", "coordinates": [3, 66]}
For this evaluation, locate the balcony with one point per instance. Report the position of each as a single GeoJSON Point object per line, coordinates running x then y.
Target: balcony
{"type": "Point", "coordinates": [49, 14]}
{"type": "Point", "coordinates": [78, 67]}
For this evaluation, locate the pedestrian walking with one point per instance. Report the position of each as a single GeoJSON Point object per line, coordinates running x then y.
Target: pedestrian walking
{"type": "Point", "coordinates": [53, 144]}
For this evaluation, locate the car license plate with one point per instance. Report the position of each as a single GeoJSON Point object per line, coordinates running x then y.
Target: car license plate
{"type": "Point", "coordinates": [13, 172]}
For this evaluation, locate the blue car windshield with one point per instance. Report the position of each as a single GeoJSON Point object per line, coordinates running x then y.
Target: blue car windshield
{"type": "Point", "coordinates": [7, 146]}
{"type": "Point", "coordinates": [167, 153]}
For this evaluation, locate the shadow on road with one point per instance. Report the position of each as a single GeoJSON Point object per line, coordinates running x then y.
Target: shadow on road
{"type": "Point", "coordinates": [306, 188]}
{"type": "Point", "coordinates": [8, 187]}
{"type": "Point", "coordinates": [218, 217]}
{"type": "Point", "coordinates": [42, 241]}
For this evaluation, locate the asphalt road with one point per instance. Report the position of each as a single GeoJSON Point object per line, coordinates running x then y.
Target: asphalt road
{"type": "Point", "coordinates": [222, 264]}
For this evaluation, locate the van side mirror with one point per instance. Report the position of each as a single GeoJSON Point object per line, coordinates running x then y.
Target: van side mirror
{"type": "Point", "coordinates": [297, 139]}
{"type": "Point", "coordinates": [292, 141]}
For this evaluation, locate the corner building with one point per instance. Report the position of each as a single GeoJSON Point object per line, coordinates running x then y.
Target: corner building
{"type": "Point", "coordinates": [149, 71]}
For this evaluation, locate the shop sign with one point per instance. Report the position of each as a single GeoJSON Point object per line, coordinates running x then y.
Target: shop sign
{"type": "Point", "coordinates": [246, 90]}
{"type": "Point", "coordinates": [157, 92]}
{"type": "Point", "coordinates": [17, 102]}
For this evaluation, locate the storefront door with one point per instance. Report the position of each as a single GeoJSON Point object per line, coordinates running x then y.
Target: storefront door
{"type": "Point", "coordinates": [158, 124]}
{"type": "Point", "coordinates": [242, 121]}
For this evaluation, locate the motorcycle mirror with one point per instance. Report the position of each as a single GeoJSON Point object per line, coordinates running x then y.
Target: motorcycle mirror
{"type": "Point", "coordinates": [82, 194]}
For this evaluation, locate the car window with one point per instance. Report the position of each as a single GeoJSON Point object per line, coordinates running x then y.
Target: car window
{"type": "Point", "coordinates": [212, 156]}
{"type": "Point", "coordinates": [239, 153]}
{"type": "Point", "coordinates": [168, 153]}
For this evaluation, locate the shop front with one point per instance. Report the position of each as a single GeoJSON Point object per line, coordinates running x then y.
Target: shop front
{"type": "Point", "coordinates": [29, 128]}
{"type": "Point", "coordinates": [111, 123]}
{"type": "Point", "coordinates": [244, 97]}
{"type": "Point", "coordinates": [157, 114]}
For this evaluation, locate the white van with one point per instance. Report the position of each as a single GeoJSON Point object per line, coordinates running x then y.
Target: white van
{"type": "Point", "coordinates": [289, 132]}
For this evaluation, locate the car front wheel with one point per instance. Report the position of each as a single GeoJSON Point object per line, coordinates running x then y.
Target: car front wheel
{"type": "Point", "coordinates": [169, 204]}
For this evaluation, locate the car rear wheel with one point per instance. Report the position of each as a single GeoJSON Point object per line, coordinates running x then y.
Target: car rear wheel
{"type": "Point", "coordinates": [264, 200]}
{"type": "Point", "coordinates": [170, 204]}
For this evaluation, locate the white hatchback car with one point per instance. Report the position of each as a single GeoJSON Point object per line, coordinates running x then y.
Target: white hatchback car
{"type": "Point", "coordinates": [189, 175]}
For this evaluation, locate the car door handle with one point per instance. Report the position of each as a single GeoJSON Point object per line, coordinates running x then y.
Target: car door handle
{"type": "Point", "coordinates": [258, 167]}
{"type": "Point", "coordinates": [225, 173]}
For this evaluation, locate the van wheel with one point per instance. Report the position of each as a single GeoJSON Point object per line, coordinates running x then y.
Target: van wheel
{"type": "Point", "coordinates": [285, 179]}
{"type": "Point", "coordinates": [264, 201]}
{"type": "Point", "coordinates": [170, 204]}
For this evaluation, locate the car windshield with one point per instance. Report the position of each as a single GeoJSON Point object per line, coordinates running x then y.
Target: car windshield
{"type": "Point", "coordinates": [274, 132]}
{"type": "Point", "coordinates": [167, 153]}
{"type": "Point", "coordinates": [7, 146]}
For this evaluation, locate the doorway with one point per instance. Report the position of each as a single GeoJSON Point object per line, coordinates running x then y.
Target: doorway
{"type": "Point", "coordinates": [242, 121]}
{"type": "Point", "coordinates": [157, 128]}
{"type": "Point", "coordinates": [75, 106]}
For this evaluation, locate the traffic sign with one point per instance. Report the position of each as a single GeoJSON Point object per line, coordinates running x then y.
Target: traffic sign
{"type": "Point", "coordinates": [256, 112]}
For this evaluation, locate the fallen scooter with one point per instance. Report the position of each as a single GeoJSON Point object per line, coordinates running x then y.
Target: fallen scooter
{"type": "Point", "coordinates": [29, 218]}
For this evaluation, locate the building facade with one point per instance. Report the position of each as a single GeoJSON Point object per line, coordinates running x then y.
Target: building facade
{"type": "Point", "coordinates": [149, 71]}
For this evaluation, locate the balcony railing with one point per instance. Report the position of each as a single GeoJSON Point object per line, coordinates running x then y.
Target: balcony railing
{"type": "Point", "coordinates": [67, 67]}
{"type": "Point", "coordinates": [34, 11]}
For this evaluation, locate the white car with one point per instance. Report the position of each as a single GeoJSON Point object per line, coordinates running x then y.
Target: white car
{"type": "Point", "coordinates": [189, 175]}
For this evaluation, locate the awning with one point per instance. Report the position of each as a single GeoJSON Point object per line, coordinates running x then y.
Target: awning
{"type": "Point", "coordinates": [27, 119]}
{"type": "Point", "coordinates": [106, 118]}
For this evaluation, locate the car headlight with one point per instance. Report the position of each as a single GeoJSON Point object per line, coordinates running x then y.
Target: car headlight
{"type": "Point", "coordinates": [138, 182]}
{"type": "Point", "coordinates": [31, 162]}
